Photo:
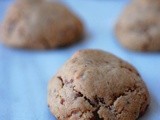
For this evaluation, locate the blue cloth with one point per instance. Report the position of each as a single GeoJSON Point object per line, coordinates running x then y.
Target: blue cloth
{"type": "Point", "coordinates": [24, 75]}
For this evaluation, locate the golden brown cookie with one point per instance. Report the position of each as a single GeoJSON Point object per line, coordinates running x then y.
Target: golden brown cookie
{"type": "Point", "coordinates": [138, 27]}
{"type": "Point", "coordinates": [40, 25]}
{"type": "Point", "coordinates": [96, 85]}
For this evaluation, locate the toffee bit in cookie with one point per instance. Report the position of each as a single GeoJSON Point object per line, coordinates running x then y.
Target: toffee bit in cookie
{"type": "Point", "coordinates": [62, 101]}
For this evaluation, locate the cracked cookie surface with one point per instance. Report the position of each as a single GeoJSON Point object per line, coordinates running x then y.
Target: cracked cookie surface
{"type": "Point", "coordinates": [96, 85]}
{"type": "Point", "coordinates": [40, 25]}
{"type": "Point", "coordinates": [138, 28]}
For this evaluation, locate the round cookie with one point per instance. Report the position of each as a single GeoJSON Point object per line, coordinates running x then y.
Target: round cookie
{"type": "Point", "coordinates": [40, 25]}
{"type": "Point", "coordinates": [138, 28]}
{"type": "Point", "coordinates": [96, 85]}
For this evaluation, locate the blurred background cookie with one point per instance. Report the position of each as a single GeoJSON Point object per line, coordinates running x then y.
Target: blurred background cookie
{"type": "Point", "coordinates": [96, 85]}
{"type": "Point", "coordinates": [40, 25]}
{"type": "Point", "coordinates": [138, 27]}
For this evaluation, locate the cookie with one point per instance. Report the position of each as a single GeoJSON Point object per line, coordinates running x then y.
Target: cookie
{"type": "Point", "coordinates": [96, 85]}
{"type": "Point", "coordinates": [138, 28]}
{"type": "Point", "coordinates": [40, 25]}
